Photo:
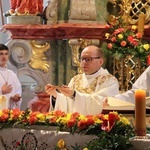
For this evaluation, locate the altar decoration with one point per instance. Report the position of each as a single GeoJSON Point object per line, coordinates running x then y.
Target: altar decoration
{"type": "Point", "coordinates": [125, 40]}
{"type": "Point", "coordinates": [129, 51]}
{"type": "Point", "coordinates": [110, 128]}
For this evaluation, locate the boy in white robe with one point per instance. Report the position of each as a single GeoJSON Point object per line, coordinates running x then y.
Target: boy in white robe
{"type": "Point", "coordinates": [85, 92]}
{"type": "Point", "coordinates": [10, 86]}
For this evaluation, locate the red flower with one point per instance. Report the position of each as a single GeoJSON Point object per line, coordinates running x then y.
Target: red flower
{"type": "Point", "coordinates": [132, 40]}
{"type": "Point", "coordinates": [53, 119]}
{"type": "Point", "coordinates": [107, 125]}
{"type": "Point", "coordinates": [119, 30]}
{"type": "Point", "coordinates": [75, 115]}
{"type": "Point", "coordinates": [71, 123]}
{"type": "Point", "coordinates": [82, 124]}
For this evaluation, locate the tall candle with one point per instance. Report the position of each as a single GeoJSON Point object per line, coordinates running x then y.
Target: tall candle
{"type": "Point", "coordinates": [140, 112]}
{"type": "Point", "coordinates": [141, 22]}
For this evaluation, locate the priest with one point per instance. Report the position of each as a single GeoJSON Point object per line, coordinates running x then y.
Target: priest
{"type": "Point", "coordinates": [85, 92]}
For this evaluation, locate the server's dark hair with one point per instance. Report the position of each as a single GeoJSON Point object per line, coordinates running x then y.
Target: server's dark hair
{"type": "Point", "coordinates": [3, 47]}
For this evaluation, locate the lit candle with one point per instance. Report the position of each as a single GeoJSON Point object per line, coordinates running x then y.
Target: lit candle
{"type": "Point", "coordinates": [140, 112]}
{"type": "Point", "coordinates": [141, 22]}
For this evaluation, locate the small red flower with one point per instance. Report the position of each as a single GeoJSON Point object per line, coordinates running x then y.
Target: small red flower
{"type": "Point", "coordinates": [71, 123]}
{"type": "Point", "coordinates": [82, 124]}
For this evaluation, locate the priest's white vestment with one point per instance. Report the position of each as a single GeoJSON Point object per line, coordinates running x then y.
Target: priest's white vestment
{"type": "Point", "coordinates": [90, 92]}
{"type": "Point", "coordinates": [10, 77]}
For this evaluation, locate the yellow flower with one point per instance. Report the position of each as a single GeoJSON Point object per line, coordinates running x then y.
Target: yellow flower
{"type": "Point", "coordinates": [146, 46]}
{"type": "Point", "coordinates": [41, 117]}
{"type": "Point", "coordinates": [85, 148]}
{"type": "Point", "coordinates": [106, 116]}
{"type": "Point", "coordinates": [125, 121]}
{"type": "Point", "coordinates": [120, 36]}
{"type": "Point", "coordinates": [1, 113]}
{"type": "Point", "coordinates": [107, 35]}
{"type": "Point", "coordinates": [63, 120]}
{"type": "Point", "coordinates": [61, 144]}
{"type": "Point", "coordinates": [134, 27]}
{"type": "Point", "coordinates": [82, 117]}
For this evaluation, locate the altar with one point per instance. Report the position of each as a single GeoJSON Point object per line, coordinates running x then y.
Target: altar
{"type": "Point", "coordinates": [39, 138]}
{"type": "Point", "coordinates": [46, 138]}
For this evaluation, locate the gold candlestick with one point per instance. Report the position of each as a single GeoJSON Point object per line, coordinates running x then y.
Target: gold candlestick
{"type": "Point", "coordinates": [141, 22]}
{"type": "Point", "coordinates": [140, 112]}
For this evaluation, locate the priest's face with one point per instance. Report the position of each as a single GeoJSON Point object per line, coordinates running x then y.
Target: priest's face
{"type": "Point", "coordinates": [3, 58]}
{"type": "Point", "coordinates": [91, 61]}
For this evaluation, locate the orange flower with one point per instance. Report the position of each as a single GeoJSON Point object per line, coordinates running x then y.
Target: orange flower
{"type": "Point", "coordinates": [59, 113]}
{"type": "Point", "coordinates": [32, 120]}
{"type": "Point", "coordinates": [109, 45]}
{"type": "Point", "coordinates": [123, 43]}
{"type": "Point", "coordinates": [139, 35]}
{"type": "Point", "coordinates": [113, 39]}
{"type": "Point", "coordinates": [15, 114]}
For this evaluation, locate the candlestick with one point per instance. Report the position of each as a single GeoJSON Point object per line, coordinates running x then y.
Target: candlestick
{"type": "Point", "coordinates": [141, 22]}
{"type": "Point", "coordinates": [140, 112]}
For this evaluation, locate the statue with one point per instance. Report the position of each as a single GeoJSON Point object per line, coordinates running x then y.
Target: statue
{"type": "Point", "coordinates": [25, 7]}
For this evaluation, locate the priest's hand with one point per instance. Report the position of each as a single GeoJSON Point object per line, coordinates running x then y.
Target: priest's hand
{"type": "Point", "coordinates": [67, 91]}
{"type": "Point", "coordinates": [105, 103]}
{"type": "Point", "coordinates": [6, 88]}
{"type": "Point", "coordinates": [16, 98]}
{"type": "Point", "coordinates": [51, 90]}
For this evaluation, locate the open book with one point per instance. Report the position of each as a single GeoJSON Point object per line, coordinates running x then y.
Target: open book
{"type": "Point", "coordinates": [121, 105]}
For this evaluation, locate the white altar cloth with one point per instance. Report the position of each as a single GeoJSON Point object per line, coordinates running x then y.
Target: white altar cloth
{"type": "Point", "coordinates": [45, 138]}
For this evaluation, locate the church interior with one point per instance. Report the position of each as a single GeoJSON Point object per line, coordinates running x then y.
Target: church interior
{"type": "Point", "coordinates": [46, 38]}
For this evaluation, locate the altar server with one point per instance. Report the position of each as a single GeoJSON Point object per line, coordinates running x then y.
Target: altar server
{"type": "Point", "coordinates": [85, 92]}
{"type": "Point", "coordinates": [10, 86]}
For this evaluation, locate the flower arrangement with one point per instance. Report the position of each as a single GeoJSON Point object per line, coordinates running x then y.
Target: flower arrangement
{"type": "Point", "coordinates": [126, 40]}
{"type": "Point", "coordinates": [110, 128]}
